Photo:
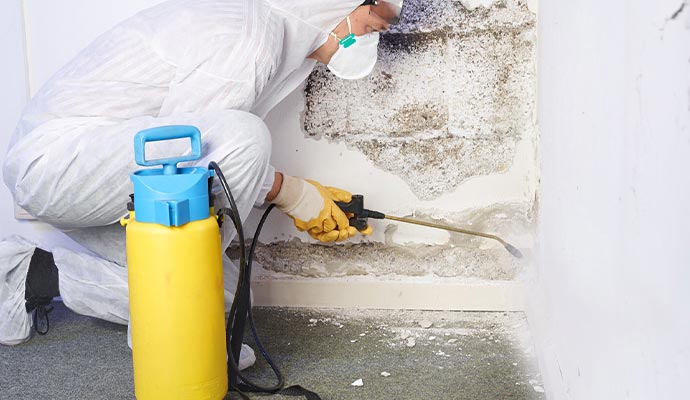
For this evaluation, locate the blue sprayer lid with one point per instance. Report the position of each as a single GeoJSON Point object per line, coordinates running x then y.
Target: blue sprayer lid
{"type": "Point", "coordinates": [170, 196]}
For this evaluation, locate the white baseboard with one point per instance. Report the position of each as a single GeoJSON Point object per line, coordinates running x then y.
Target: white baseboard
{"type": "Point", "coordinates": [390, 294]}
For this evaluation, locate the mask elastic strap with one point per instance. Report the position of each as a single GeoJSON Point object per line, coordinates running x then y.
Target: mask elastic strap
{"type": "Point", "coordinates": [349, 29]}
{"type": "Point", "coordinates": [348, 40]}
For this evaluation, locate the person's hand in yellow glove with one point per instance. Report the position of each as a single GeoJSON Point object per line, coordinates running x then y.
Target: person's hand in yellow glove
{"type": "Point", "coordinates": [312, 208]}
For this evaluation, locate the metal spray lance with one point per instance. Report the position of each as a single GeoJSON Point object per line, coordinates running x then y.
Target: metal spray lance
{"type": "Point", "coordinates": [361, 214]}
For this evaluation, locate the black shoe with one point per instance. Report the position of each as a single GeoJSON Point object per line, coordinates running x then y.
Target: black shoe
{"type": "Point", "coordinates": [41, 287]}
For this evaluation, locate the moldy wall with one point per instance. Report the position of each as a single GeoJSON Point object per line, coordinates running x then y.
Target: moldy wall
{"type": "Point", "coordinates": [448, 99]}
{"type": "Point", "coordinates": [443, 129]}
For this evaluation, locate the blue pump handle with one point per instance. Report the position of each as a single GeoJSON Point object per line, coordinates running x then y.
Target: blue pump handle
{"type": "Point", "coordinates": [167, 133]}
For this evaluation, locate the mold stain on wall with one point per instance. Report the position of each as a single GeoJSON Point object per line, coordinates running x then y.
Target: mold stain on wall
{"type": "Point", "coordinates": [451, 95]}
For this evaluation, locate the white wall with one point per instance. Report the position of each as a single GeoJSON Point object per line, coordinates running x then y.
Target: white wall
{"type": "Point", "coordinates": [611, 291]}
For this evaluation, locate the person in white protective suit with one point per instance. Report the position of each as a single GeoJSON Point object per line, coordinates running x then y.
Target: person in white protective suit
{"type": "Point", "coordinates": [220, 65]}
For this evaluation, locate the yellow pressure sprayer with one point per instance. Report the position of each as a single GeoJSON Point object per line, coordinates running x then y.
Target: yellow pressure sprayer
{"type": "Point", "coordinates": [180, 348]}
{"type": "Point", "coordinates": [175, 277]}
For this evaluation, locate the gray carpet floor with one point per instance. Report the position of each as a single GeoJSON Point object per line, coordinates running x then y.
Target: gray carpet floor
{"type": "Point", "coordinates": [460, 356]}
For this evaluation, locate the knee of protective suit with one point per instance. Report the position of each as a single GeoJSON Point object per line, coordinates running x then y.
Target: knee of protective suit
{"type": "Point", "coordinates": [36, 187]}
{"type": "Point", "coordinates": [238, 137]}
{"type": "Point", "coordinates": [260, 142]}
{"type": "Point", "coordinates": [17, 174]}
{"type": "Point", "coordinates": [256, 136]}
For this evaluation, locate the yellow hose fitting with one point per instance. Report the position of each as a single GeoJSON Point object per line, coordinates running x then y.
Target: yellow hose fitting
{"type": "Point", "coordinates": [127, 219]}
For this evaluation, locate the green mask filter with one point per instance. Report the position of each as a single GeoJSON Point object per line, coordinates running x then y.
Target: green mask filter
{"type": "Point", "coordinates": [348, 40]}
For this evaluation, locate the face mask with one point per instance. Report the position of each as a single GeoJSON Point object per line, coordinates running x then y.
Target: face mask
{"type": "Point", "coordinates": [356, 56]}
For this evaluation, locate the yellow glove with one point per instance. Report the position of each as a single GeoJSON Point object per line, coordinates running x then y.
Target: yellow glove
{"type": "Point", "coordinates": [312, 208]}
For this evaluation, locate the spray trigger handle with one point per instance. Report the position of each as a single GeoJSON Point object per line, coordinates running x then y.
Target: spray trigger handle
{"type": "Point", "coordinates": [360, 214]}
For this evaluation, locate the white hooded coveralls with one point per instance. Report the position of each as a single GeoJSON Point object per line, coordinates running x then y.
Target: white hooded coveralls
{"type": "Point", "coordinates": [220, 65]}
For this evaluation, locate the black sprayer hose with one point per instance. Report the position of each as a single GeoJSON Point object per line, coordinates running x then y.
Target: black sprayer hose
{"type": "Point", "coordinates": [250, 317]}
{"type": "Point", "coordinates": [241, 290]}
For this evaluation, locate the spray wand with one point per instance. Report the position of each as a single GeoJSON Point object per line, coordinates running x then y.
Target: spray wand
{"type": "Point", "coordinates": [361, 214]}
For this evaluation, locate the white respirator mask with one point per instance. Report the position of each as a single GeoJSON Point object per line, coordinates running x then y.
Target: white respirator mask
{"type": "Point", "coordinates": [356, 55]}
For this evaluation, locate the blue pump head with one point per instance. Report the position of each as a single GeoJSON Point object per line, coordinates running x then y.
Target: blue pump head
{"type": "Point", "coordinates": [170, 196]}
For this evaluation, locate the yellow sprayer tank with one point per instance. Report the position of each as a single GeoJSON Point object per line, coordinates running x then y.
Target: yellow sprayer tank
{"type": "Point", "coordinates": [175, 278]}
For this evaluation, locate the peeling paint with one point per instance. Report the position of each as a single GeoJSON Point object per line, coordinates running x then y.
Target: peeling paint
{"type": "Point", "coordinates": [472, 4]}
{"type": "Point", "coordinates": [415, 117]}
{"type": "Point", "coordinates": [451, 95]}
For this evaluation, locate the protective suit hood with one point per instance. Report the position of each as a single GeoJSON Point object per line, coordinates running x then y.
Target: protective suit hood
{"type": "Point", "coordinates": [305, 25]}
